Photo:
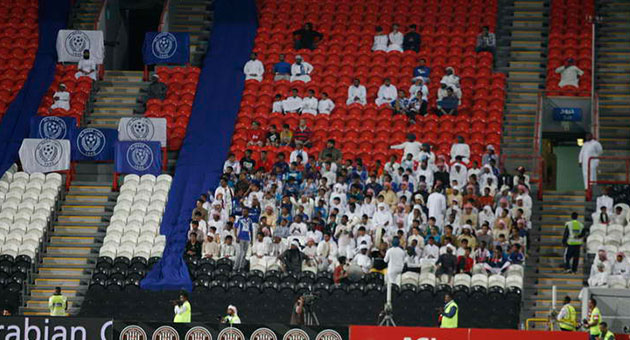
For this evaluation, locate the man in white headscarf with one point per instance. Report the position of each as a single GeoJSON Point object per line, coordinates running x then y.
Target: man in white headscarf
{"type": "Point", "coordinates": [61, 98]}
{"type": "Point", "coordinates": [590, 148]}
{"type": "Point", "coordinates": [232, 316]}
{"type": "Point", "coordinates": [301, 70]}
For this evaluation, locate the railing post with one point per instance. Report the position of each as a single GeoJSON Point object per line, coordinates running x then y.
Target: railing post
{"type": "Point", "coordinates": [589, 190]}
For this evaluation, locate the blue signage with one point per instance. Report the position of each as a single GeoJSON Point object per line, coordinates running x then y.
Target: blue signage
{"type": "Point", "coordinates": [567, 114]}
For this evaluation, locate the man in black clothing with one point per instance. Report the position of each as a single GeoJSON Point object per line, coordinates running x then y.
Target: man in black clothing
{"type": "Point", "coordinates": [157, 89]}
{"type": "Point", "coordinates": [293, 257]}
{"type": "Point", "coordinates": [193, 247]}
{"type": "Point", "coordinates": [411, 41]}
{"type": "Point", "coordinates": [446, 263]}
{"type": "Point", "coordinates": [306, 37]}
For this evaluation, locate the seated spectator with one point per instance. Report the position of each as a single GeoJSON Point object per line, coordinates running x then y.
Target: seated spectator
{"type": "Point", "coordinates": [602, 217]}
{"type": "Point", "coordinates": [400, 105]}
{"type": "Point", "coordinates": [599, 278]}
{"type": "Point", "coordinates": [489, 155]}
{"type": "Point", "coordinates": [156, 89]}
{"type": "Point", "coordinates": [293, 103]}
{"type": "Point", "coordinates": [460, 149]}
{"type": "Point", "coordinates": [340, 275]}
{"type": "Point", "coordinates": [380, 40]}
{"type": "Point", "coordinates": [621, 266]}
{"type": "Point", "coordinates": [247, 162]}
{"type": "Point", "coordinates": [442, 92]}
{"type": "Point", "coordinates": [61, 98]}
{"type": "Point", "coordinates": [277, 106]}
{"type": "Point", "coordinates": [203, 213]}
{"type": "Point", "coordinates": [619, 217]}
{"type": "Point", "coordinates": [411, 41]}
{"type": "Point", "coordinates": [516, 256]}
{"type": "Point", "coordinates": [286, 135]}
{"type": "Point", "coordinates": [303, 134]}
{"type": "Point", "coordinates": [362, 260]}
{"type": "Point", "coordinates": [450, 79]}
{"type": "Point", "coordinates": [521, 178]}
{"type": "Point", "coordinates": [310, 103]}
{"type": "Point", "coordinates": [446, 264]}
{"type": "Point", "coordinates": [299, 152]}
{"type": "Point", "coordinates": [497, 263]}
{"type": "Point", "coordinates": [412, 260]}
{"type": "Point", "coordinates": [301, 70]}
{"type": "Point", "coordinates": [420, 92]}
{"type": "Point", "coordinates": [395, 38]}
{"type": "Point", "coordinates": [569, 74]}
{"type": "Point", "coordinates": [195, 229]}
{"type": "Point", "coordinates": [325, 105]}
{"type": "Point", "coordinates": [448, 105]}
{"type": "Point", "coordinates": [422, 71]}
{"type": "Point", "coordinates": [228, 251]}
{"type": "Point", "coordinates": [486, 41]}
{"type": "Point", "coordinates": [86, 67]}
{"type": "Point", "coordinates": [254, 68]}
{"type": "Point", "coordinates": [356, 93]}
{"type": "Point", "coordinates": [281, 69]}
{"type": "Point", "coordinates": [482, 254]}
{"type": "Point", "coordinates": [601, 258]}
{"type": "Point", "coordinates": [193, 246]}
{"type": "Point", "coordinates": [465, 262]}
{"type": "Point", "coordinates": [272, 138]}
{"type": "Point", "coordinates": [306, 37]}
{"type": "Point", "coordinates": [330, 153]}
{"type": "Point", "coordinates": [210, 248]}
{"type": "Point", "coordinates": [386, 93]}
{"type": "Point", "coordinates": [256, 135]}
{"type": "Point", "coordinates": [292, 258]}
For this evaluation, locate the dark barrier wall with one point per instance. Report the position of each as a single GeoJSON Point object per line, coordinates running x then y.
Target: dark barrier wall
{"type": "Point", "coordinates": [338, 308]}
{"type": "Point", "coordinates": [57, 328]}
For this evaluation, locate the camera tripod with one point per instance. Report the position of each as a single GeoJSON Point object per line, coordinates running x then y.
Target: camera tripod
{"type": "Point", "coordinates": [386, 316]}
{"type": "Point", "coordinates": [310, 318]}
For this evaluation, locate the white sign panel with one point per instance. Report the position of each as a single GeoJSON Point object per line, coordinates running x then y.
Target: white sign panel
{"type": "Point", "coordinates": [72, 43]}
{"type": "Point", "coordinates": [142, 129]}
{"type": "Point", "coordinates": [45, 155]}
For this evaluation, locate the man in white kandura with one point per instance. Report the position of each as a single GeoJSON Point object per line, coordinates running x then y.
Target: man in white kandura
{"type": "Point", "coordinates": [301, 70]}
{"type": "Point", "coordinates": [86, 67]}
{"type": "Point", "coordinates": [386, 93]}
{"type": "Point", "coordinates": [61, 98]}
{"type": "Point", "coordinates": [356, 93]}
{"type": "Point", "coordinates": [590, 148]}
{"type": "Point", "coordinates": [254, 68]}
{"type": "Point", "coordinates": [310, 103]}
{"type": "Point", "coordinates": [395, 39]}
{"type": "Point", "coordinates": [325, 105]}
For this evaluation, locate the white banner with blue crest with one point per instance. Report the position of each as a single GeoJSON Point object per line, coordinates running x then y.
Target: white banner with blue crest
{"type": "Point", "coordinates": [45, 155]}
{"type": "Point", "coordinates": [72, 43]}
{"type": "Point", "coordinates": [142, 129]}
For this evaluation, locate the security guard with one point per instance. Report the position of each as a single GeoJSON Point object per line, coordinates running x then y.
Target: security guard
{"type": "Point", "coordinates": [567, 318]}
{"type": "Point", "coordinates": [182, 308]}
{"type": "Point", "coordinates": [232, 316]}
{"type": "Point", "coordinates": [572, 239]}
{"type": "Point", "coordinates": [57, 303]}
{"type": "Point", "coordinates": [449, 315]}
{"type": "Point", "coordinates": [605, 334]}
{"type": "Point", "coordinates": [593, 320]}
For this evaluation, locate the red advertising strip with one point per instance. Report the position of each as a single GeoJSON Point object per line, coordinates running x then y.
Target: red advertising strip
{"type": "Point", "coordinates": [422, 333]}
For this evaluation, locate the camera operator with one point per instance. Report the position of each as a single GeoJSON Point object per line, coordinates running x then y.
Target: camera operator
{"type": "Point", "coordinates": [232, 316]}
{"type": "Point", "coordinates": [182, 308]}
{"type": "Point", "coordinates": [297, 314]}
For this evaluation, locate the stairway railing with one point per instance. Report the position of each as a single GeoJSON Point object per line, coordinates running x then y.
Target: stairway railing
{"type": "Point", "coordinates": [618, 160]}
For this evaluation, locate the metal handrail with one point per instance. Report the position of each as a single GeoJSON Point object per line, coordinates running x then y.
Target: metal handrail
{"type": "Point", "coordinates": [540, 320]}
{"type": "Point", "coordinates": [164, 14]}
{"type": "Point", "coordinates": [589, 183]}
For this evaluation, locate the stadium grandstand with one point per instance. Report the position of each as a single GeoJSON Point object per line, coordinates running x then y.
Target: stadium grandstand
{"type": "Point", "coordinates": [265, 169]}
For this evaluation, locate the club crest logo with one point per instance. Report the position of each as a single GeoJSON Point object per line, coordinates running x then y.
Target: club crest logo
{"type": "Point", "coordinates": [231, 333]}
{"type": "Point", "coordinates": [263, 334]}
{"type": "Point", "coordinates": [139, 156]}
{"type": "Point", "coordinates": [164, 45]}
{"type": "Point", "coordinates": [198, 333]}
{"type": "Point", "coordinates": [140, 129]}
{"type": "Point", "coordinates": [133, 332]}
{"type": "Point", "coordinates": [328, 334]}
{"type": "Point", "coordinates": [76, 43]}
{"type": "Point", "coordinates": [52, 128]}
{"type": "Point", "coordinates": [165, 333]}
{"type": "Point", "coordinates": [296, 334]}
{"type": "Point", "coordinates": [91, 142]}
{"type": "Point", "coordinates": [48, 153]}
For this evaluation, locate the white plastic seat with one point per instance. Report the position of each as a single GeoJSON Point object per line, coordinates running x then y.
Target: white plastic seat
{"type": "Point", "coordinates": [598, 229]}
{"type": "Point", "coordinates": [157, 250]}
{"type": "Point", "coordinates": [108, 251]}
{"type": "Point", "coordinates": [615, 229]}
{"type": "Point", "coordinates": [142, 252]}
{"type": "Point", "coordinates": [138, 209]}
{"type": "Point", "coordinates": [478, 269]}
{"type": "Point", "coordinates": [131, 178]}
{"type": "Point", "coordinates": [427, 268]}
{"type": "Point", "coordinates": [125, 251]}
{"type": "Point", "coordinates": [54, 176]}
{"type": "Point", "coordinates": [612, 239]}
{"type": "Point", "coordinates": [32, 235]}
{"type": "Point", "coordinates": [51, 186]}
{"type": "Point", "coordinates": [164, 178]}
{"type": "Point", "coordinates": [46, 202]}
{"type": "Point", "coordinates": [15, 236]}
{"type": "Point", "coordinates": [496, 281]}
{"type": "Point", "coordinates": [594, 243]}
{"type": "Point", "coordinates": [22, 217]}
{"type": "Point", "coordinates": [21, 175]}
{"type": "Point", "coordinates": [515, 269]}
{"type": "Point", "coordinates": [7, 215]}
{"type": "Point", "coordinates": [157, 218]}
{"type": "Point", "coordinates": [112, 237]}
{"type": "Point", "coordinates": [155, 207]}
{"type": "Point", "coordinates": [160, 240]}
{"type": "Point", "coordinates": [4, 186]}
{"type": "Point", "coordinates": [611, 251]}
{"type": "Point", "coordinates": [462, 280]}
{"type": "Point", "coordinates": [411, 278]}
{"type": "Point", "coordinates": [48, 194]}
{"type": "Point", "coordinates": [514, 281]}
{"type": "Point", "coordinates": [125, 197]}
{"type": "Point", "coordinates": [35, 187]}
{"type": "Point", "coordinates": [5, 226]}
{"type": "Point", "coordinates": [148, 232]}
{"type": "Point", "coordinates": [143, 195]}
{"type": "Point", "coordinates": [625, 248]}
{"type": "Point", "coordinates": [117, 226]}
{"type": "Point", "coordinates": [427, 278]}
{"type": "Point", "coordinates": [479, 280]}
{"type": "Point", "coordinates": [616, 281]}
{"type": "Point", "coordinates": [147, 178]}
{"type": "Point", "coordinates": [136, 218]}
{"type": "Point", "coordinates": [128, 187]}
{"type": "Point", "coordinates": [17, 187]}
{"type": "Point", "coordinates": [29, 206]}
{"type": "Point", "coordinates": [145, 186]}
{"type": "Point", "coordinates": [146, 238]}
{"type": "Point", "coordinates": [14, 194]}
{"type": "Point", "coordinates": [118, 217]}
{"type": "Point", "coordinates": [161, 195]}
{"type": "Point", "coordinates": [21, 225]}
{"type": "Point", "coordinates": [10, 248]}
{"type": "Point", "coordinates": [131, 235]}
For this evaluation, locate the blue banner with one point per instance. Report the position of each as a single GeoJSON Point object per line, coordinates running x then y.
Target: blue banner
{"type": "Point", "coordinates": [92, 144]}
{"type": "Point", "coordinates": [567, 114]}
{"type": "Point", "coordinates": [52, 127]}
{"type": "Point", "coordinates": [166, 48]}
{"type": "Point", "coordinates": [139, 158]}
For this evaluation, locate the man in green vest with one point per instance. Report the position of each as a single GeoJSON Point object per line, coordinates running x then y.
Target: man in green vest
{"type": "Point", "coordinates": [572, 240]}
{"type": "Point", "coordinates": [57, 303]}
{"type": "Point", "coordinates": [605, 334]}
{"type": "Point", "coordinates": [567, 318]}
{"type": "Point", "coordinates": [182, 308]}
{"type": "Point", "coordinates": [232, 316]}
{"type": "Point", "coordinates": [593, 320]}
{"type": "Point", "coordinates": [450, 312]}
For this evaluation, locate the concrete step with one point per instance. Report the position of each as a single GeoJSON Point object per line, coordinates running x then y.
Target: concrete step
{"type": "Point", "coordinates": [80, 218]}
{"type": "Point", "coordinates": [41, 305]}
{"type": "Point", "coordinates": [62, 272]}
{"type": "Point", "coordinates": [63, 283]}
{"type": "Point", "coordinates": [82, 208]}
{"type": "Point", "coordinates": [73, 260]}
{"type": "Point", "coordinates": [38, 294]}
{"type": "Point", "coordinates": [63, 240]}
{"type": "Point", "coordinates": [69, 250]}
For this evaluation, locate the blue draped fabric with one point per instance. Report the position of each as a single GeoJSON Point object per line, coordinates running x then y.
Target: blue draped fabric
{"type": "Point", "coordinates": [209, 133]}
{"type": "Point", "coordinates": [53, 15]}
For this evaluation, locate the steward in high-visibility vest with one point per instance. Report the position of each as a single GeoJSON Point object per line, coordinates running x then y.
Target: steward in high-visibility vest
{"type": "Point", "coordinates": [57, 303]}
{"type": "Point", "coordinates": [575, 228]}
{"type": "Point", "coordinates": [567, 318]}
{"type": "Point", "coordinates": [604, 333]}
{"type": "Point", "coordinates": [450, 313]}
{"type": "Point", "coordinates": [593, 320]}
{"type": "Point", "coordinates": [232, 316]}
{"type": "Point", "coordinates": [182, 309]}
{"type": "Point", "coordinates": [572, 239]}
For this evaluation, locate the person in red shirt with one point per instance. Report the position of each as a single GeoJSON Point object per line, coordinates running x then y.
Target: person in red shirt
{"type": "Point", "coordinates": [256, 135]}
{"type": "Point", "coordinates": [487, 198]}
{"type": "Point", "coordinates": [265, 162]}
{"type": "Point", "coordinates": [340, 275]}
{"type": "Point", "coordinates": [465, 262]}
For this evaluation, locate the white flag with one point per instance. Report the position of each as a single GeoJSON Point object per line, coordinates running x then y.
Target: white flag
{"type": "Point", "coordinates": [72, 43]}
{"type": "Point", "coordinates": [142, 129]}
{"type": "Point", "coordinates": [45, 155]}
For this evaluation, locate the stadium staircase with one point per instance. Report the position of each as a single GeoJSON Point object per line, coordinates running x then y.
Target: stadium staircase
{"type": "Point", "coordinates": [545, 255]}
{"type": "Point", "coordinates": [85, 13]}
{"type": "Point", "coordinates": [116, 97]}
{"type": "Point", "coordinates": [71, 249]}
{"type": "Point", "coordinates": [613, 83]}
{"type": "Point", "coordinates": [194, 17]}
{"type": "Point", "coordinates": [522, 42]}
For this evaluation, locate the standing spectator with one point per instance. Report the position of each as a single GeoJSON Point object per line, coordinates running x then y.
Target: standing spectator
{"type": "Point", "coordinates": [446, 264]}
{"type": "Point", "coordinates": [326, 105]}
{"type": "Point", "coordinates": [489, 155]}
{"type": "Point", "coordinates": [254, 68]}
{"type": "Point", "coordinates": [293, 257]}
{"type": "Point", "coordinates": [411, 41]}
{"type": "Point", "coordinates": [356, 93]}
{"type": "Point", "coordinates": [380, 40]}
{"type": "Point", "coordinates": [157, 89]}
{"type": "Point", "coordinates": [228, 251]}
{"type": "Point", "coordinates": [310, 103]}
{"type": "Point", "coordinates": [282, 69]}
{"type": "Point", "coordinates": [411, 146]}
{"type": "Point", "coordinates": [386, 93]}
{"type": "Point", "coordinates": [301, 70]}
{"type": "Point", "coordinates": [572, 240]}
{"type": "Point", "coordinates": [461, 149]}
{"type": "Point", "coordinates": [465, 262]}
{"type": "Point", "coordinates": [306, 37]}
{"type": "Point", "coordinates": [486, 41]}
{"type": "Point", "coordinates": [293, 103]}
{"type": "Point", "coordinates": [61, 98]}
{"type": "Point", "coordinates": [605, 201]}
{"type": "Point", "coordinates": [590, 148]}
{"type": "Point", "coordinates": [422, 71]}
{"type": "Point", "coordinates": [569, 74]}
{"type": "Point", "coordinates": [86, 67]}
{"type": "Point", "coordinates": [395, 39]}
{"type": "Point", "coordinates": [244, 231]}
